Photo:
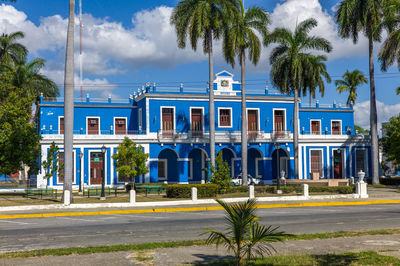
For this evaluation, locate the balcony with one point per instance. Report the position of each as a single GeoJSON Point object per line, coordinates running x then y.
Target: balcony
{"type": "Point", "coordinates": [90, 132]}
{"type": "Point", "coordinates": [281, 135]}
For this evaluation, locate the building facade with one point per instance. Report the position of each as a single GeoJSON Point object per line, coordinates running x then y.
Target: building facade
{"type": "Point", "coordinates": [173, 127]}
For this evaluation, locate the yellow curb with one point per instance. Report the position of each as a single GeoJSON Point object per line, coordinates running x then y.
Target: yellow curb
{"type": "Point", "coordinates": [192, 209]}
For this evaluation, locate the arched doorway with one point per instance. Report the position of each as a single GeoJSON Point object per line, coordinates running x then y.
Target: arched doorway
{"type": "Point", "coordinates": [280, 161]}
{"type": "Point", "coordinates": [168, 166]}
{"type": "Point", "coordinates": [198, 165]}
{"type": "Point", "coordinates": [228, 156]}
{"type": "Point", "coordinates": [255, 166]}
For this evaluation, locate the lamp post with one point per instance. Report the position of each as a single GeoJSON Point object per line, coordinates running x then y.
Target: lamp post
{"type": "Point", "coordinates": [278, 189]}
{"type": "Point", "coordinates": [80, 171]}
{"type": "Point", "coordinates": [103, 151]}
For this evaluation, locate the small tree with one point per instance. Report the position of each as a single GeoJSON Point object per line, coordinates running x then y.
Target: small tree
{"type": "Point", "coordinates": [391, 143]}
{"type": "Point", "coordinates": [244, 236]}
{"type": "Point", "coordinates": [51, 164]}
{"type": "Point", "coordinates": [130, 160]}
{"type": "Point", "coordinates": [220, 174]}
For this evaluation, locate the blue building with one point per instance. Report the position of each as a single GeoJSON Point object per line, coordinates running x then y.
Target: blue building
{"type": "Point", "coordinates": [173, 127]}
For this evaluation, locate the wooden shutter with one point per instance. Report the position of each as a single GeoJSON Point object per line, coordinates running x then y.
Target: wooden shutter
{"type": "Point", "coordinates": [225, 117]}
{"type": "Point", "coordinates": [62, 125]}
{"type": "Point", "coordinates": [252, 123]}
{"type": "Point", "coordinates": [279, 123]}
{"type": "Point", "coordinates": [197, 126]}
{"type": "Point", "coordinates": [335, 127]}
{"type": "Point", "coordinates": [315, 128]}
{"type": "Point", "coordinates": [120, 126]}
{"type": "Point", "coordinates": [93, 126]}
{"type": "Point", "coordinates": [316, 162]}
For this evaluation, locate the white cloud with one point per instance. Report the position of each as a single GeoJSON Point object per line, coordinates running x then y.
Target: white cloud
{"type": "Point", "coordinates": [385, 112]}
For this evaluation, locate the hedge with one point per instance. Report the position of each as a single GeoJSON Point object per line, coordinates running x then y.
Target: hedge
{"type": "Point", "coordinates": [184, 190]}
{"type": "Point", "coordinates": [387, 181]}
{"type": "Point", "coordinates": [128, 187]}
{"type": "Point", "coordinates": [340, 190]}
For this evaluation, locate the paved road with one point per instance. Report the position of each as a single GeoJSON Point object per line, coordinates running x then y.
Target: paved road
{"type": "Point", "coordinates": [38, 233]}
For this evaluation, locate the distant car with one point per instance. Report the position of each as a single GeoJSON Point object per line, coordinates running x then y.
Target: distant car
{"type": "Point", "coordinates": [238, 181]}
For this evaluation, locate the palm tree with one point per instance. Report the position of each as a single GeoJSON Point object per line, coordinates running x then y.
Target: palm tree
{"type": "Point", "coordinates": [10, 50]}
{"type": "Point", "coordinates": [245, 237]}
{"type": "Point", "coordinates": [27, 76]}
{"type": "Point", "coordinates": [315, 77]}
{"type": "Point", "coordinates": [390, 50]}
{"type": "Point", "coordinates": [69, 105]}
{"type": "Point", "coordinates": [291, 63]}
{"type": "Point", "coordinates": [238, 37]}
{"type": "Point", "coordinates": [350, 82]}
{"type": "Point", "coordinates": [365, 16]}
{"type": "Point", "coordinates": [203, 19]}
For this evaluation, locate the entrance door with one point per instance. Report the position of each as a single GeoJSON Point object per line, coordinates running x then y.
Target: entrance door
{"type": "Point", "coordinates": [197, 126]}
{"type": "Point", "coordinates": [167, 122]}
{"type": "Point", "coordinates": [96, 168]}
{"type": "Point", "coordinates": [337, 164]}
{"type": "Point", "coordinates": [279, 123]}
{"type": "Point", "coordinates": [252, 123]}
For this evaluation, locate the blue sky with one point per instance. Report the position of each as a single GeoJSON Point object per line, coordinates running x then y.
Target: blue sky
{"type": "Point", "coordinates": [129, 43]}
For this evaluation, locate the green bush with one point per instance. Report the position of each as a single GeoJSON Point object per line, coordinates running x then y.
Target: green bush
{"type": "Point", "coordinates": [339, 190]}
{"type": "Point", "coordinates": [184, 190]}
{"type": "Point", "coordinates": [237, 189]}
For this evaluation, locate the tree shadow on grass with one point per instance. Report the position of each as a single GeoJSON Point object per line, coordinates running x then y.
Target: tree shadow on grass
{"type": "Point", "coordinates": [213, 260]}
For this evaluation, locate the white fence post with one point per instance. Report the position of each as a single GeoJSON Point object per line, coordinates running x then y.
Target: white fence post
{"type": "Point", "coordinates": [305, 190]}
{"type": "Point", "coordinates": [132, 196]}
{"type": "Point", "coordinates": [194, 194]}
{"type": "Point", "coordinates": [251, 191]}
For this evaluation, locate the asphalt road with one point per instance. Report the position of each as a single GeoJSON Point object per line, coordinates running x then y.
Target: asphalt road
{"type": "Point", "coordinates": [53, 232]}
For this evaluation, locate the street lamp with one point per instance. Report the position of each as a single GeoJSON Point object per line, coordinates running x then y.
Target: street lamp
{"type": "Point", "coordinates": [103, 151]}
{"type": "Point", "coordinates": [80, 170]}
{"type": "Point", "coordinates": [278, 189]}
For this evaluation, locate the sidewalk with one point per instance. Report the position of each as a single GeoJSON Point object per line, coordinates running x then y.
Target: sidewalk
{"type": "Point", "coordinates": [376, 196]}
{"type": "Point", "coordinates": [383, 244]}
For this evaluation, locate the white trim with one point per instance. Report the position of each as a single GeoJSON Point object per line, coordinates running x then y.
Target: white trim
{"type": "Point", "coordinates": [182, 159]}
{"type": "Point", "coordinates": [332, 168]}
{"type": "Point", "coordinates": [165, 167]}
{"type": "Point", "coordinates": [225, 108]}
{"type": "Point", "coordinates": [320, 126]}
{"type": "Point", "coordinates": [126, 124]}
{"type": "Point", "coordinates": [140, 119]}
{"type": "Point", "coordinates": [190, 177]}
{"type": "Point", "coordinates": [258, 117]}
{"type": "Point", "coordinates": [59, 123]}
{"type": "Point", "coordinates": [340, 129]}
{"type": "Point", "coordinates": [87, 120]}
{"type": "Point", "coordinates": [74, 162]}
{"type": "Point", "coordinates": [257, 160]}
{"type": "Point", "coordinates": [105, 165]}
{"type": "Point", "coordinates": [148, 116]}
{"type": "Point", "coordinates": [273, 117]}
{"type": "Point", "coordinates": [202, 117]}
{"type": "Point", "coordinates": [322, 161]}
{"type": "Point", "coordinates": [173, 118]}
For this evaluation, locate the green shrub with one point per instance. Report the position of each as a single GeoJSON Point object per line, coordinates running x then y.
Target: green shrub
{"type": "Point", "coordinates": [220, 174]}
{"type": "Point", "coordinates": [339, 190]}
{"type": "Point", "coordinates": [270, 189]}
{"type": "Point", "coordinates": [184, 190]}
{"type": "Point", "coordinates": [237, 189]}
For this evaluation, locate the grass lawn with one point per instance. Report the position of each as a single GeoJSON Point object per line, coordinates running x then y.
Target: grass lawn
{"type": "Point", "coordinates": [350, 258]}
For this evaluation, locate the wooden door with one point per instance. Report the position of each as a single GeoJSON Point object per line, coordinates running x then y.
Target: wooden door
{"type": "Point", "coordinates": [337, 164]}
{"type": "Point", "coordinates": [96, 168]}
{"type": "Point", "coordinates": [197, 125]}
{"type": "Point", "coordinates": [62, 125]}
{"type": "Point", "coordinates": [61, 168]}
{"type": "Point", "coordinates": [315, 128]}
{"type": "Point", "coordinates": [167, 122]}
{"type": "Point", "coordinates": [93, 126]}
{"type": "Point", "coordinates": [120, 126]}
{"type": "Point", "coordinates": [252, 123]}
{"type": "Point", "coordinates": [279, 123]}
{"type": "Point", "coordinates": [316, 164]}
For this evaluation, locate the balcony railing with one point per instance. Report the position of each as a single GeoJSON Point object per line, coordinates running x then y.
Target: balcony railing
{"type": "Point", "coordinates": [280, 134]}
{"type": "Point", "coordinates": [255, 134]}
{"type": "Point", "coordinates": [167, 134]}
{"type": "Point", "coordinates": [90, 132]}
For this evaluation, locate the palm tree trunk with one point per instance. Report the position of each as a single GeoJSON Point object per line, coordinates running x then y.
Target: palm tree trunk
{"type": "Point", "coordinates": [296, 134]}
{"type": "Point", "coordinates": [373, 117]}
{"type": "Point", "coordinates": [69, 105]}
{"type": "Point", "coordinates": [211, 100]}
{"type": "Point", "coordinates": [244, 121]}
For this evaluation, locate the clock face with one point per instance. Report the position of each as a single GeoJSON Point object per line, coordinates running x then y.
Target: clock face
{"type": "Point", "coordinates": [224, 83]}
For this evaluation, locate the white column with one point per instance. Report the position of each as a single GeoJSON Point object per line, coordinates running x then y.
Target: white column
{"type": "Point", "coordinates": [132, 196]}
{"type": "Point", "coordinates": [251, 192]}
{"type": "Point", "coordinates": [305, 190]}
{"type": "Point", "coordinates": [194, 194]}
